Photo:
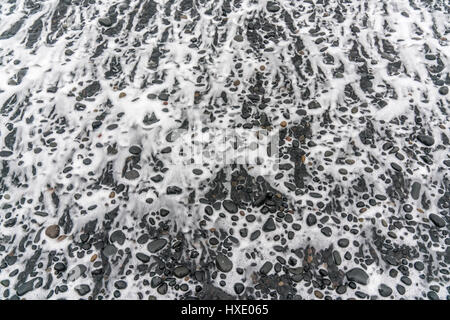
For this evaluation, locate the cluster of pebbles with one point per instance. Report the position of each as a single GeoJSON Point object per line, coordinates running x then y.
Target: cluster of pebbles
{"type": "Point", "coordinates": [94, 205]}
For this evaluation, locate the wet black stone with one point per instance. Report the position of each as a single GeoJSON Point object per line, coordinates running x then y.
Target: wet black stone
{"type": "Point", "coordinates": [415, 190]}
{"type": "Point", "coordinates": [174, 190]}
{"type": "Point", "coordinates": [269, 225]}
{"type": "Point", "coordinates": [432, 295]}
{"type": "Point", "coordinates": [156, 245]}
{"type": "Point", "coordinates": [272, 6]}
{"type": "Point", "coordinates": [396, 167]}
{"type": "Point", "coordinates": [326, 231]}
{"type": "Point", "coordinates": [426, 140]}
{"type": "Point", "coordinates": [238, 288]}
{"type": "Point", "coordinates": [91, 90]}
{"type": "Point", "coordinates": [135, 150]}
{"type": "Point", "coordinates": [60, 266]}
{"type": "Point", "coordinates": [358, 275]}
{"type": "Point", "coordinates": [223, 263]}
{"type": "Point", "coordinates": [181, 271]}
{"type": "Point", "coordinates": [443, 90]}
{"type": "Point", "coordinates": [105, 22]}
{"type": "Point", "coordinates": [265, 269]}
{"type": "Point", "coordinates": [109, 250]}
{"type": "Point", "coordinates": [255, 235]}
{"type": "Point", "coordinates": [419, 266]}
{"type": "Point", "coordinates": [142, 257]}
{"type": "Point", "coordinates": [26, 287]}
{"type": "Point", "coordinates": [343, 243]}
{"type": "Point", "coordinates": [120, 284]}
{"type": "Point", "coordinates": [83, 289]}
{"type": "Point", "coordinates": [118, 236]}
{"type": "Point", "coordinates": [230, 206]}
{"type": "Point", "coordinates": [311, 220]}
{"type": "Point", "coordinates": [384, 290]}
{"type": "Point", "coordinates": [438, 221]}
{"type": "Point", "coordinates": [132, 175]}
{"type": "Point", "coordinates": [162, 289]}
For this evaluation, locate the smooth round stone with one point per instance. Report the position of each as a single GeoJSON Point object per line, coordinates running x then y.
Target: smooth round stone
{"type": "Point", "coordinates": [230, 206]}
{"type": "Point", "coordinates": [120, 284]}
{"type": "Point", "coordinates": [326, 231]}
{"type": "Point", "coordinates": [135, 150]}
{"type": "Point", "coordinates": [419, 266]}
{"type": "Point", "coordinates": [82, 289]}
{"type": "Point", "coordinates": [426, 139]}
{"type": "Point", "coordinates": [311, 220]}
{"type": "Point", "coordinates": [443, 90]}
{"type": "Point", "coordinates": [181, 271]}
{"type": "Point", "coordinates": [132, 175]}
{"type": "Point", "coordinates": [438, 221]}
{"type": "Point", "coordinates": [52, 231]}
{"type": "Point", "coordinates": [343, 243]}
{"type": "Point", "coordinates": [358, 275]}
{"type": "Point", "coordinates": [432, 295]}
{"type": "Point", "coordinates": [265, 269]}
{"type": "Point", "coordinates": [223, 263]}
{"type": "Point", "coordinates": [384, 290]}
{"type": "Point", "coordinates": [118, 236]}
{"type": "Point", "coordinates": [106, 22]}
{"type": "Point", "coordinates": [156, 245]}
{"type": "Point", "coordinates": [109, 250]}
{"type": "Point", "coordinates": [238, 288]}
{"type": "Point", "coordinates": [142, 257]}
{"type": "Point", "coordinates": [269, 225]}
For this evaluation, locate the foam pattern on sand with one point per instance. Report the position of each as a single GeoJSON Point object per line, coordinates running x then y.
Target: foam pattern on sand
{"type": "Point", "coordinates": [97, 202]}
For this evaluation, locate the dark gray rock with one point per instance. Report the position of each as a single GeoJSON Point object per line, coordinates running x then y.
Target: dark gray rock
{"type": "Point", "coordinates": [438, 221]}
{"type": "Point", "coordinates": [230, 206]}
{"type": "Point", "coordinates": [223, 263]}
{"type": "Point", "coordinates": [156, 245]}
{"type": "Point", "coordinates": [180, 271]}
{"type": "Point", "coordinates": [426, 139]}
{"type": "Point", "coordinates": [358, 275]}
{"type": "Point", "coordinates": [269, 225]}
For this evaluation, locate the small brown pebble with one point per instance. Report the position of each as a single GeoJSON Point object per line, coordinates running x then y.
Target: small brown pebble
{"type": "Point", "coordinates": [94, 257]}
{"type": "Point", "coordinates": [318, 294]}
{"type": "Point", "coordinates": [61, 237]}
{"type": "Point", "coordinates": [236, 83]}
{"type": "Point", "coordinates": [283, 124]}
{"type": "Point", "coordinates": [112, 194]}
{"type": "Point", "coordinates": [281, 283]}
{"type": "Point", "coordinates": [309, 259]}
{"type": "Point", "coordinates": [212, 229]}
{"type": "Point", "coordinates": [420, 210]}
{"type": "Point", "coordinates": [288, 138]}
{"type": "Point", "coordinates": [122, 95]}
{"type": "Point", "coordinates": [165, 103]}
{"type": "Point", "coordinates": [262, 68]}
{"type": "Point", "coordinates": [242, 213]}
{"type": "Point", "coordinates": [52, 231]}
{"type": "Point", "coordinates": [303, 158]}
